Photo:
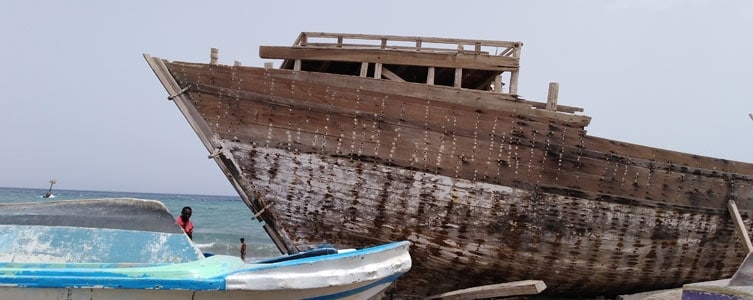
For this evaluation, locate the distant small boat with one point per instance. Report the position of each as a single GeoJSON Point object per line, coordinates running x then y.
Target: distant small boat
{"type": "Point", "coordinates": [49, 191]}
{"type": "Point", "coordinates": [132, 248]}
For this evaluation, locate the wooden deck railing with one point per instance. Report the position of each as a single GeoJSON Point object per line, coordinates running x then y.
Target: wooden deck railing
{"type": "Point", "coordinates": [415, 43]}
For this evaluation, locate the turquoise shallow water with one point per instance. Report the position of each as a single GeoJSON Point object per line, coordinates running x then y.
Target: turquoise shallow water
{"type": "Point", "coordinates": [220, 221]}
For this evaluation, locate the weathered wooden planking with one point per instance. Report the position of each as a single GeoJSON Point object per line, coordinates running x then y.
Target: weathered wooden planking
{"type": "Point", "coordinates": [332, 202]}
{"type": "Point", "coordinates": [267, 79]}
{"type": "Point", "coordinates": [563, 206]}
{"type": "Point", "coordinates": [633, 183]}
{"type": "Point", "coordinates": [405, 113]}
{"type": "Point", "coordinates": [427, 59]}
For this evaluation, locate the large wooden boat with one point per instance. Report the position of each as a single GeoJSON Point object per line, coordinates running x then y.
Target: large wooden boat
{"type": "Point", "coordinates": [358, 140]}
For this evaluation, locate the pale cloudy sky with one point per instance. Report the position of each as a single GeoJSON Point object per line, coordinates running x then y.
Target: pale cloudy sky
{"type": "Point", "coordinates": [79, 104]}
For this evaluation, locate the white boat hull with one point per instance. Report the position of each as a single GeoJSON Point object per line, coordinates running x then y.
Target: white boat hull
{"type": "Point", "coordinates": [68, 260]}
{"type": "Point", "coordinates": [11, 293]}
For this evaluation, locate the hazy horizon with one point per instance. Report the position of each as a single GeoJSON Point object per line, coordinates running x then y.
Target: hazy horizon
{"type": "Point", "coordinates": [55, 190]}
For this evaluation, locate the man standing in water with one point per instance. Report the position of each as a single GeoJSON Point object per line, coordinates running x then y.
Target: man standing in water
{"type": "Point", "coordinates": [184, 221]}
{"type": "Point", "coordinates": [243, 249]}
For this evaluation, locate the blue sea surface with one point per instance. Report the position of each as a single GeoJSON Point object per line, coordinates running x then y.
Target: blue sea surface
{"type": "Point", "coordinates": [220, 221]}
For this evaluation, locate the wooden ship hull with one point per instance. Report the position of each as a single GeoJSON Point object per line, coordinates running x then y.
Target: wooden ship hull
{"type": "Point", "coordinates": [398, 138]}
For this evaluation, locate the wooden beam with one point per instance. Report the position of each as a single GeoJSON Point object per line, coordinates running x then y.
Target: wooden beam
{"type": "Point", "coordinates": [297, 65]}
{"type": "Point", "coordinates": [483, 99]}
{"type": "Point", "coordinates": [364, 69]}
{"type": "Point", "coordinates": [517, 288]}
{"type": "Point", "coordinates": [739, 225]}
{"type": "Point", "coordinates": [391, 48]}
{"type": "Point", "coordinates": [213, 56]}
{"type": "Point", "coordinates": [514, 82]}
{"type": "Point", "coordinates": [507, 51]}
{"type": "Point", "coordinates": [562, 108]}
{"type": "Point", "coordinates": [408, 58]}
{"type": "Point", "coordinates": [514, 74]}
{"type": "Point", "coordinates": [458, 78]}
{"type": "Point", "coordinates": [391, 75]}
{"type": "Point", "coordinates": [551, 97]}
{"type": "Point", "coordinates": [378, 70]}
{"type": "Point", "coordinates": [302, 40]}
{"type": "Point", "coordinates": [434, 40]}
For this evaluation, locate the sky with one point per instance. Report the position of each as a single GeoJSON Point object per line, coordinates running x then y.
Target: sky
{"type": "Point", "coordinates": [78, 102]}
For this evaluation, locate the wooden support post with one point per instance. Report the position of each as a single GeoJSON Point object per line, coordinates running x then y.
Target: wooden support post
{"type": "Point", "coordinates": [378, 70]}
{"type": "Point", "coordinates": [514, 82]}
{"type": "Point", "coordinates": [384, 43]}
{"type": "Point", "coordinates": [418, 44]}
{"type": "Point", "coordinates": [297, 65]}
{"type": "Point", "coordinates": [739, 225]}
{"type": "Point", "coordinates": [339, 41]}
{"type": "Point", "coordinates": [516, 52]}
{"type": "Point", "coordinates": [237, 63]}
{"type": "Point", "coordinates": [551, 97]}
{"type": "Point", "coordinates": [458, 77]}
{"type": "Point", "coordinates": [391, 75]}
{"type": "Point", "coordinates": [517, 288]}
{"type": "Point", "coordinates": [430, 76]}
{"type": "Point", "coordinates": [268, 65]}
{"type": "Point", "coordinates": [477, 48]}
{"type": "Point", "coordinates": [364, 69]}
{"type": "Point", "coordinates": [213, 56]}
{"type": "Point", "coordinates": [506, 52]}
{"type": "Point", "coordinates": [514, 74]}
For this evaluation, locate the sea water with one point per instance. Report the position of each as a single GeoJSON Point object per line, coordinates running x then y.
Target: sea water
{"type": "Point", "coordinates": [219, 221]}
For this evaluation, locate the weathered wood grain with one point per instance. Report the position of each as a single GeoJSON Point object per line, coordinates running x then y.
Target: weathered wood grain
{"type": "Point", "coordinates": [486, 187]}
{"type": "Point", "coordinates": [428, 59]}
{"type": "Point", "coordinates": [507, 289]}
